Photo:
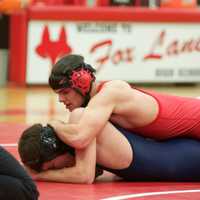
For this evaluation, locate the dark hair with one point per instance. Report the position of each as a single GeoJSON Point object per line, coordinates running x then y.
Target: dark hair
{"type": "Point", "coordinates": [39, 144]}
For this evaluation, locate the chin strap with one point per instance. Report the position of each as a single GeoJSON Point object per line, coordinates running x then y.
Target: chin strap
{"type": "Point", "coordinates": [86, 101]}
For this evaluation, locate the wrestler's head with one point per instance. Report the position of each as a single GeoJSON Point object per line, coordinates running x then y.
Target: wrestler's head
{"type": "Point", "coordinates": [40, 149]}
{"type": "Point", "coordinates": [71, 78]}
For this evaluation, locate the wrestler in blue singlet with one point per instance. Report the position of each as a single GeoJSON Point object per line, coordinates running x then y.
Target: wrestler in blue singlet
{"type": "Point", "coordinates": [171, 160]}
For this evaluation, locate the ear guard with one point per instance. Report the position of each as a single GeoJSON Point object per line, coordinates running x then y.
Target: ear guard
{"type": "Point", "coordinates": [50, 147]}
{"type": "Point", "coordinates": [72, 72]}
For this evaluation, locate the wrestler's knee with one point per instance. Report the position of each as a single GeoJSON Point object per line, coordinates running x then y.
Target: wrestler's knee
{"type": "Point", "coordinates": [75, 115]}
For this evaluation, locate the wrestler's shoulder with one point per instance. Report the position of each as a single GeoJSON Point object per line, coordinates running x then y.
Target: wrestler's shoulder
{"type": "Point", "coordinates": [113, 91]}
{"type": "Point", "coordinates": [116, 84]}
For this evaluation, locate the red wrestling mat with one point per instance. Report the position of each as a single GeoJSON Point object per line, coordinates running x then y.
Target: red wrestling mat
{"type": "Point", "coordinates": [102, 189]}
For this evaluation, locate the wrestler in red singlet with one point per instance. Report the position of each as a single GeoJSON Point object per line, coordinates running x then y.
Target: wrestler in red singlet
{"type": "Point", "coordinates": [177, 117]}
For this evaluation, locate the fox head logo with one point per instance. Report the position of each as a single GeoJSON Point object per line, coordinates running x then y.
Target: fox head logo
{"type": "Point", "coordinates": [53, 49]}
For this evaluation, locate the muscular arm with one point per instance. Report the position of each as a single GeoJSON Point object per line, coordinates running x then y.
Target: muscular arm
{"type": "Point", "coordinates": [82, 172]}
{"type": "Point", "coordinates": [80, 133]}
{"type": "Point", "coordinates": [91, 122]}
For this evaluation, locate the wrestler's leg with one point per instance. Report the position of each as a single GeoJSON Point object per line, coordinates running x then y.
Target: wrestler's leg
{"type": "Point", "coordinates": [171, 160]}
{"type": "Point", "coordinates": [15, 183]}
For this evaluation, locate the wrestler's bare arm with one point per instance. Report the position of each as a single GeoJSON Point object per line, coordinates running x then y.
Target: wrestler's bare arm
{"type": "Point", "coordinates": [93, 119]}
{"type": "Point", "coordinates": [82, 172]}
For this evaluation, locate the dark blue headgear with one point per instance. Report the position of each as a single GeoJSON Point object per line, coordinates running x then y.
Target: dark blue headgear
{"type": "Point", "coordinates": [50, 147]}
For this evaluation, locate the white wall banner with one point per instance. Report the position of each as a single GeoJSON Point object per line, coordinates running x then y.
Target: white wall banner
{"type": "Point", "coordinates": [135, 52]}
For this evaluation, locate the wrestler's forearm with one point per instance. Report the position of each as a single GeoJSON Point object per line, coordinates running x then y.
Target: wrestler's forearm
{"type": "Point", "coordinates": [65, 175]}
{"type": "Point", "coordinates": [69, 134]}
{"type": "Point", "coordinates": [74, 134]}
{"type": "Point", "coordinates": [81, 130]}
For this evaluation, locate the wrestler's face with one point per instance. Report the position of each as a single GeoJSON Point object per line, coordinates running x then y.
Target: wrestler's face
{"type": "Point", "coordinates": [70, 98]}
{"type": "Point", "coordinates": [65, 160]}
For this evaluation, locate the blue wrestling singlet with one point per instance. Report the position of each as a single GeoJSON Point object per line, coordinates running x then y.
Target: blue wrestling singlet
{"type": "Point", "coordinates": [171, 160]}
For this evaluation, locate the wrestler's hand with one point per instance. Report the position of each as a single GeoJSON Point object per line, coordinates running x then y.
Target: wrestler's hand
{"type": "Point", "coordinates": [65, 131]}
{"type": "Point", "coordinates": [36, 176]}
{"type": "Point", "coordinates": [55, 124]}
{"type": "Point", "coordinates": [31, 172]}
